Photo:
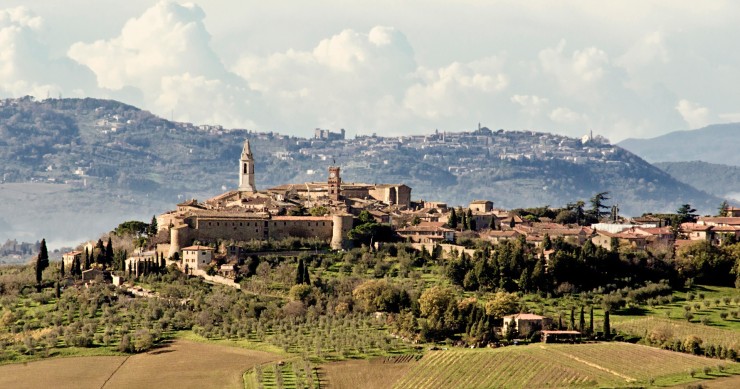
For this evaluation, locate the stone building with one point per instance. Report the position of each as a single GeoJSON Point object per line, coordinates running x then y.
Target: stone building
{"type": "Point", "coordinates": [196, 257]}
{"type": "Point", "coordinates": [246, 214]}
{"type": "Point", "coordinates": [69, 258]}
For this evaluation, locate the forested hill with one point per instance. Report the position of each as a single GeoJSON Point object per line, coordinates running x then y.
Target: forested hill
{"type": "Point", "coordinates": [717, 179]}
{"type": "Point", "coordinates": [119, 160]}
{"type": "Point", "coordinates": [717, 143]}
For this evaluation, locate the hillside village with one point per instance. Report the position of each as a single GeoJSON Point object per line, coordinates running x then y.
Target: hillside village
{"type": "Point", "coordinates": [208, 237]}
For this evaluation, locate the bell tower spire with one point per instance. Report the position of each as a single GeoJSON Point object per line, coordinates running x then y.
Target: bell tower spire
{"type": "Point", "coordinates": [246, 169]}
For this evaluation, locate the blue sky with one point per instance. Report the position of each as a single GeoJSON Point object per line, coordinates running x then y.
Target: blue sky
{"type": "Point", "coordinates": [622, 69]}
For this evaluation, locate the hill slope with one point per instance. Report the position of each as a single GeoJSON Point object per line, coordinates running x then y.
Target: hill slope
{"type": "Point", "coordinates": [716, 144]}
{"type": "Point", "coordinates": [118, 162]}
{"type": "Point", "coordinates": [719, 180]}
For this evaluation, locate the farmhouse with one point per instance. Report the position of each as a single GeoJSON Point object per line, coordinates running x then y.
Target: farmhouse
{"type": "Point", "coordinates": [525, 323]}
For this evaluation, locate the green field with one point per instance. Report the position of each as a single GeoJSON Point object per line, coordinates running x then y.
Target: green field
{"type": "Point", "coordinates": [679, 330]}
{"type": "Point", "coordinates": [540, 365]}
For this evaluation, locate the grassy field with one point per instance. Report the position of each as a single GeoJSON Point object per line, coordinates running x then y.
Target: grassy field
{"type": "Point", "coordinates": [679, 330]}
{"type": "Point", "coordinates": [708, 305]}
{"type": "Point", "coordinates": [181, 364]}
{"type": "Point", "coordinates": [539, 365]}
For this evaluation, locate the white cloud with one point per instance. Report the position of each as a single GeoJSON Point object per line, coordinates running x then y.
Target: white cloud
{"type": "Point", "coordinates": [351, 79]}
{"type": "Point", "coordinates": [694, 114]}
{"type": "Point", "coordinates": [579, 73]}
{"type": "Point", "coordinates": [26, 66]}
{"type": "Point", "coordinates": [458, 90]}
{"type": "Point", "coordinates": [165, 54]}
{"type": "Point", "coordinates": [562, 115]}
{"type": "Point", "coordinates": [531, 105]}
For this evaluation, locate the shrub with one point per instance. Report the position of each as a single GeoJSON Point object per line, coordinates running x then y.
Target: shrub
{"type": "Point", "coordinates": [143, 340]}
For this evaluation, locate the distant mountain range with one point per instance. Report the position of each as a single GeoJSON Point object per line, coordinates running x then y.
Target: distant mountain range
{"type": "Point", "coordinates": [719, 180]}
{"type": "Point", "coordinates": [718, 143]}
{"type": "Point", "coordinates": [72, 168]}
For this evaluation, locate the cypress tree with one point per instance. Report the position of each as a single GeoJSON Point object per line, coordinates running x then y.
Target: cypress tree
{"type": "Point", "coordinates": [152, 230]}
{"type": "Point", "coordinates": [452, 220]}
{"type": "Point", "coordinates": [572, 318]}
{"type": "Point", "coordinates": [591, 321]}
{"type": "Point", "coordinates": [306, 276]}
{"type": "Point", "coordinates": [109, 253]}
{"type": "Point", "coordinates": [61, 269]}
{"type": "Point", "coordinates": [607, 326]}
{"type": "Point", "coordinates": [42, 262]}
{"type": "Point", "coordinates": [299, 272]}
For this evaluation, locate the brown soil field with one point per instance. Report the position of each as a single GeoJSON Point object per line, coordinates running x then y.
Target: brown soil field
{"type": "Point", "coordinates": [182, 364]}
{"type": "Point", "coordinates": [61, 373]}
{"type": "Point", "coordinates": [363, 374]}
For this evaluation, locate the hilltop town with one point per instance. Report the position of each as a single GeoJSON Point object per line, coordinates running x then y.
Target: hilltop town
{"type": "Point", "coordinates": [215, 231]}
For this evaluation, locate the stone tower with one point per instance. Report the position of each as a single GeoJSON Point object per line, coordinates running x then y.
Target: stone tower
{"type": "Point", "coordinates": [246, 169]}
{"type": "Point", "coordinates": [335, 183]}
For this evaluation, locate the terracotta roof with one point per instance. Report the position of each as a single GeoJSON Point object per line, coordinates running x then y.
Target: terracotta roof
{"type": "Point", "coordinates": [197, 248]}
{"type": "Point", "coordinates": [524, 316]}
{"type": "Point", "coordinates": [695, 227]}
{"type": "Point", "coordinates": [509, 233]}
{"type": "Point", "coordinates": [732, 221]}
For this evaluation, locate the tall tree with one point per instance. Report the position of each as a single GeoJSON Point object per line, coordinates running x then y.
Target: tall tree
{"type": "Point", "coordinates": [100, 258]}
{"type": "Point", "coordinates": [591, 321]}
{"type": "Point", "coordinates": [607, 326]}
{"type": "Point", "coordinates": [452, 219]}
{"type": "Point", "coordinates": [686, 214]}
{"type": "Point", "coordinates": [582, 321]}
{"type": "Point", "coordinates": [152, 228]}
{"type": "Point", "coordinates": [299, 272]}
{"type": "Point", "coordinates": [61, 269]}
{"type": "Point", "coordinates": [572, 318]}
{"type": "Point", "coordinates": [722, 210]}
{"type": "Point", "coordinates": [598, 206]}
{"type": "Point", "coordinates": [42, 262]}
{"type": "Point", "coordinates": [306, 275]}
{"type": "Point", "coordinates": [109, 253]}
{"type": "Point", "coordinates": [577, 209]}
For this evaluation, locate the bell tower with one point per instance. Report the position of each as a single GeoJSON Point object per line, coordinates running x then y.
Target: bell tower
{"type": "Point", "coordinates": [335, 183]}
{"type": "Point", "coordinates": [246, 169]}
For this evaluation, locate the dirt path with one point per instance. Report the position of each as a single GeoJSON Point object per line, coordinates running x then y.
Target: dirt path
{"type": "Point", "coordinates": [602, 368]}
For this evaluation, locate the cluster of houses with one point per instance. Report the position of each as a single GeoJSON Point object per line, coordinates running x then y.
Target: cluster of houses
{"type": "Point", "coordinates": [247, 214]}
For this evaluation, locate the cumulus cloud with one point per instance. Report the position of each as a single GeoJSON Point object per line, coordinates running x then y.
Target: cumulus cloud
{"type": "Point", "coordinates": [165, 54]}
{"type": "Point", "coordinates": [564, 115]}
{"type": "Point", "coordinates": [349, 79]}
{"type": "Point", "coordinates": [26, 66]}
{"type": "Point", "coordinates": [457, 90]}
{"type": "Point", "coordinates": [695, 115]}
{"type": "Point", "coordinates": [531, 105]}
{"type": "Point", "coordinates": [578, 74]}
